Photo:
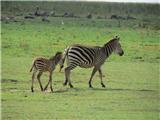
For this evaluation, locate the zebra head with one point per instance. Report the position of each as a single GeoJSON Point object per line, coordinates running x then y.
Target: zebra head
{"type": "Point", "coordinates": [117, 46]}
{"type": "Point", "coordinates": [56, 58]}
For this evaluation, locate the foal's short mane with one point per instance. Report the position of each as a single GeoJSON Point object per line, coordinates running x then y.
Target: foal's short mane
{"type": "Point", "coordinates": [57, 57]}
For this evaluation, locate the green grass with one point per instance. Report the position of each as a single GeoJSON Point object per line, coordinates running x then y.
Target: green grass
{"type": "Point", "coordinates": [131, 93]}
{"type": "Point", "coordinates": [131, 80]}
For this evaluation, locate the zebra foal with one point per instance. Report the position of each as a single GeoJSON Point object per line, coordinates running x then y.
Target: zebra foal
{"type": "Point", "coordinates": [41, 65]}
{"type": "Point", "coordinates": [87, 57]}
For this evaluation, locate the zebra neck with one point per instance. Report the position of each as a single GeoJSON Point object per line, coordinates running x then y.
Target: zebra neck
{"type": "Point", "coordinates": [108, 49]}
{"type": "Point", "coordinates": [52, 59]}
{"type": "Point", "coordinates": [53, 62]}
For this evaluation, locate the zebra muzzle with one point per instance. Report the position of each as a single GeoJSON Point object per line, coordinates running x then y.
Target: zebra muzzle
{"type": "Point", "coordinates": [121, 53]}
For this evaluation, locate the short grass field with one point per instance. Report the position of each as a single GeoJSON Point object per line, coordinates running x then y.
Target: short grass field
{"type": "Point", "coordinates": [132, 81]}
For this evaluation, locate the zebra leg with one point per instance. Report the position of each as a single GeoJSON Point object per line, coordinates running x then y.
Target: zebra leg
{"type": "Point", "coordinates": [50, 80]}
{"type": "Point", "coordinates": [93, 73]}
{"type": "Point", "coordinates": [100, 75]}
{"type": "Point", "coordinates": [61, 66]}
{"type": "Point", "coordinates": [33, 76]}
{"type": "Point", "coordinates": [46, 85]}
{"type": "Point", "coordinates": [38, 77]}
{"type": "Point", "coordinates": [67, 75]}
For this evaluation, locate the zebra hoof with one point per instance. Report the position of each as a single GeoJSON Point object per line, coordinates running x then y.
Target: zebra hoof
{"type": "Point", "coordinates": [51, 89]}
{"type": "Point", "coordinates": [90, 86]}
{"type": "Point", "coordinates": [45, 89]}
{"type": "Point", "coordinates": [42, 89]}
{"type": "Point", "coordinates": [103, 85]}
{"type": "Point", "coordinates": [65, 83]}
{"type": "Point", "coordinates": [71, 86]}
{"type": "Point", "coordinates": [32, 90]}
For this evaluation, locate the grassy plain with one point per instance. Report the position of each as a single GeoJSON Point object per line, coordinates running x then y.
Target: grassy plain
{"type": "Point", "coordinates": [132, 81]}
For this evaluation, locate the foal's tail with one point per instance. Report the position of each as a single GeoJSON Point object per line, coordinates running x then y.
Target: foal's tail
{"type": "Point", "coordinates": [32, 67]}
{"type": "Point", "coordinates": [63, 59]}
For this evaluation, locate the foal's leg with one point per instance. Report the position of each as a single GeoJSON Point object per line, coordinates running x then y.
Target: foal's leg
{"type": "Point", "coordinates": [33, 76]}
{"type": "Point", "coordinates": [38, 77]}
{"type": "Point", "coordinates": [93, 73]}
{"type": "Point", "coordinates": [50, 80]}
{"type": "Point", "coordinates": [46, 85]}
{"type": "Point", "coordinates": [100, 75]}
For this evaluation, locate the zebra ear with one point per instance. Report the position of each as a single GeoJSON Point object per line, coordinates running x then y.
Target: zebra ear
{"type": "Point", "coordinates": [117, 37]}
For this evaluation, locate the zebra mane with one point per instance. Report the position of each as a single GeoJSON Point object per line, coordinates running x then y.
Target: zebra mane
{"type": "Point", "coordinates": [111, 41]}
{"type": "Point", "coordinates": [79, 45]}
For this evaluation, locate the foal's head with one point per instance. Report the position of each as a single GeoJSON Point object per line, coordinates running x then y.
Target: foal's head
{"type": "Point", "coordinates": [57, 57]}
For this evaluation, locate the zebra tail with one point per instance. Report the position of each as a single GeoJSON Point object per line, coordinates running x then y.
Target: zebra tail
{"type": "Point", "coordinates": [63, 59]}
{"type": "Point", "coordinates": [32, 67]}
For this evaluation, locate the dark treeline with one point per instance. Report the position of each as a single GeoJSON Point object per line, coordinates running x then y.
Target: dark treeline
{"type": "Point", "coordinates": [81, 8]}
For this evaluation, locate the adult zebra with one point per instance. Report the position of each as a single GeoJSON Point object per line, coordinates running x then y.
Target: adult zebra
{"type": "Point", "coordinates": [86, 57]}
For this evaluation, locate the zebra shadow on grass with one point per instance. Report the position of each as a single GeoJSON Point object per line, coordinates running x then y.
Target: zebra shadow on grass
{"type": "Point", "coordinates": [122, 89]}
{"type": "Point", "coordinates": [109, 90]}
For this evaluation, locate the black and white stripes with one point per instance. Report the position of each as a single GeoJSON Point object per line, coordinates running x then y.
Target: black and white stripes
{"type": "Point", "coordinates": [86, 57]}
